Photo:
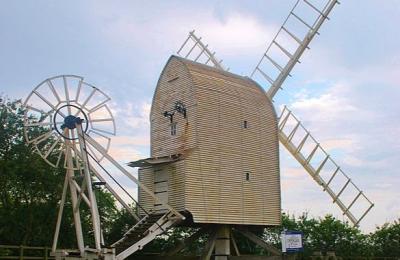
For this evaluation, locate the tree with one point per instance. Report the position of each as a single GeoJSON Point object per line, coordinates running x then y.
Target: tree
{"type": "Point", "coordinates": [323, 235]}
{"type": "Point", "coordinates": [31, 189]}
{"type": "Point", "coordinates": [386, 240]}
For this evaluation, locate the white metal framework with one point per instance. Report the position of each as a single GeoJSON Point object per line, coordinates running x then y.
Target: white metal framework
{"type": "Point", "coordinates": [69, 123]}
{"type": "Point", "coordinates": [51, 102]}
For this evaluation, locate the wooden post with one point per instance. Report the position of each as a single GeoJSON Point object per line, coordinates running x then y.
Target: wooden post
{"type": "Point", "coordinates": [46, 252]}
{"type": "Point", "coordinates": [222, 243]}
{"type": "Point", "coordinates": [21, 252]}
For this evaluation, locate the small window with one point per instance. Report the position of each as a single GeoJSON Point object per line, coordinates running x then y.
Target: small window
{"type": "Point", "coordinates": [173, 128]}
{"type": "Point", "coordinates": [245, 124]}
{"type": "Point", "coordinates": [247, 176]}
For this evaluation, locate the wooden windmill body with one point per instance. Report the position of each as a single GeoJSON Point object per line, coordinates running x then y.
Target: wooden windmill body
{"type": "Point", "coordinates": [223, 165]}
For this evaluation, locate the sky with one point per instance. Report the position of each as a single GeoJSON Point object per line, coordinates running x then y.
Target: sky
{"type": "Point", "coordinates": [345, 91]}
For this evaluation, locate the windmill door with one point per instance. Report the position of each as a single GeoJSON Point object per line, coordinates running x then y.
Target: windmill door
{"type": "Point", "coordinates": [161, 188]}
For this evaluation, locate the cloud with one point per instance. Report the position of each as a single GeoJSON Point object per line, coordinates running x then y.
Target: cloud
{"type": "Point", "coordinates": [133, 125]}
{"type": "Point", "coordinates": [124, 153]}
{"type": "Point", "coordinates": [238, 33]}
{"type": "Point", "coordinates": [159, 33]}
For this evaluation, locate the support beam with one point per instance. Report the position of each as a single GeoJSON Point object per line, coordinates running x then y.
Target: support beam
{"type": "Point", "coordinates": [104, 153]}
{"type": "Point", "coordinates": [234, 244]}
{"type": "Point", "coordinates": [206, 255]}
{"type": "Point", "coordinates": [222, 243]}
{"type": "Point", "coordinates": [92, 198]}
{"type": "Point", "coordinates": [251, 236]}
{"type": "Point", "coordinates": [60, 213]}
{"type": "Point", "coordinates": [74, 200]}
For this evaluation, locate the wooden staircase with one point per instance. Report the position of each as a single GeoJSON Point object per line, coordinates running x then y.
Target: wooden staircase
{"type": "Point", "coordinates": [143, 233]}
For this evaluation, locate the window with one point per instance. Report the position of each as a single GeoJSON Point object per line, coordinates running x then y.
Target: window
{"type": "Point", "coordinates": [173, 128]}
{"type": "Point", "coordinates": [245, 124]}
{"type": "Point", "coordinates": [247, 176]}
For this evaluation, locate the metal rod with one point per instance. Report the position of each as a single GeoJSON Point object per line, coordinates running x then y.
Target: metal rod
{"type": "Point", "coordinates": [52, 147]}
{"type": "Point", "coordinates": [301, 20]}
{"type": "Point", "coordinates": [354, 200]}
{"type": "Point", "coordinates": [51, 86]}
{"type": "Point", "coordinates": [67, 95]}
{"type": "Point", "coordinates": [88, 98]}
{"type": "Point", "coordinates": [303, 141]}
{"type": "Point", "coordinates": [119, 185]}
{"type": "Point", "coordinates": [315, 9]}
{"type": "Point", "coordinates": [77, 218]}
{"type": "Point", "coordinates": [92, 197]}
{"type": "Point", "coordinates": [98, 106]}
{"type": "Point", "coordinates": [282, 124]}
{"type": "Point", "coordinates": [343, 188]}
{"type": "Point", "coordinates": [283, 49]}
{"type": "Point", "coordinates": [109, 188]}
{"type": "Point", "coordinates": [81, 195]}
{"type": "Point", "coordinates": [333, 175]}
{"type": "Point", "coordinates": [365, 213]}
{"type": "Point", "coordinates": [211, 55]}
{"type": "Point", "coordinates": [292, 35]}
{"type": "Point", "coordinates": [322, 165]}
{"type": "Point", "coordinates": [202, 51]}
{"type": "Point", "coordinates": [130, 176]}
{"type": "Point", "coordinates": [292, 133]}
{"type": "Point", "coordinates": [190, 51]}
{"type": "Point", "coordinates": [60, 213]}
{"type": "Point", "coordinates": [274, 63]}
{"type": "Point", "coordinates": [266, 76]}
{"type": "Point", "coordinates": [78, 92]}
{"type": "Point", "coordinates": [180, 49]}
{"type": "Point", "coordinates": [312, 153]}
{"type": "Point", "coordinates": [48, 103]}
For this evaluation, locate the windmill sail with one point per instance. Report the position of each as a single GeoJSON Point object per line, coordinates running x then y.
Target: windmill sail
{"type": "Point", "coordinates": [322, 168]}
{"type": "Point", "coordinates": [293, 37]}
{"type": "Point", "coordinates": [194, 49]}
{"type": "Point", "coordinates": [314, 159]}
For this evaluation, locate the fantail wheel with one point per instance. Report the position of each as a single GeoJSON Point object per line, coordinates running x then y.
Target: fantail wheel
{"type": "Point", "coordinates": [52, 111]}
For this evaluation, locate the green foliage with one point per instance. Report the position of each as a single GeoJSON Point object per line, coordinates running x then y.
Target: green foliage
{"type": "Point", "coordinates": [118, 225]}
{"type": "Point", "coordinates": [31, 189]}
{"type": "Point", "coordinates": [329, 234]}
{"type": "Point", "coordinates": [386, 239]}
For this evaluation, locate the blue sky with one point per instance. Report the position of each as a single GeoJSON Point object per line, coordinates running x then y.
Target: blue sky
{"type": "Point", "coordinates": [345, 90]}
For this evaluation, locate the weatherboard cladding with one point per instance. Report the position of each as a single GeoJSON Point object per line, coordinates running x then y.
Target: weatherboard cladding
{"type": "Point", "coordinates": [210, 182]}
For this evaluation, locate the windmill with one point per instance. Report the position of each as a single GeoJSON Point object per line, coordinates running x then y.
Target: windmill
{"type": "Point", "coordinates": [215, 139]}
{"type": "Point", "coordinates": [282, 54]}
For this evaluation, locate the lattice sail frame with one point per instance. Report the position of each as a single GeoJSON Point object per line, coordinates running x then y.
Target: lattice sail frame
{"type": "Point", "coordinates": [292, 134]}
{"type": "Point", "coordinates": [51, 102]}
{"type": "Point", "coordinates": [292, 39]}
{"type": "Point", "coordinates": [322, 168]}
{"type": "Point", "coordinates": [194, 49]}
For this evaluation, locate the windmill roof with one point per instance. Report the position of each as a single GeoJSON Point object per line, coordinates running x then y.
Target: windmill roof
{"type": "Point", "coordinates": [192, 65]}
